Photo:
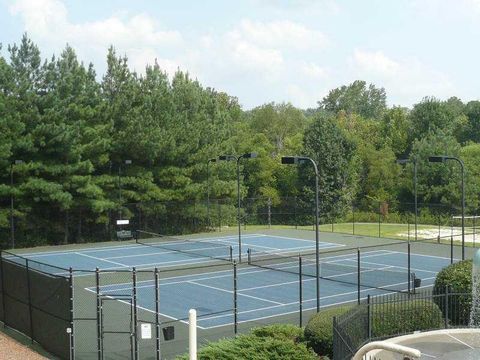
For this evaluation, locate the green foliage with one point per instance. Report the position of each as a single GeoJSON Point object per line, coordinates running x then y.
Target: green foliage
{"type": "Point", "coordinates": [406, 317]}
{"type": "Point", "coordinates": [369, 102]}
{"type": "Point", "coordinates": [387, 320]}
{"type": "Point", "coordinates": [327, 144]}
{"type": "Point", "coordinates": [272, 342]}
{"type": "Point", "coordinates": [319, 330]}
{"type": "Point", "coordinates": [438, 183]}
{"type": "Point", "coordinates": [457, 278]}
{"type": "Point", "coordinates": [432, 115]}
{"type": "Point", "coordinates": [74, 134]}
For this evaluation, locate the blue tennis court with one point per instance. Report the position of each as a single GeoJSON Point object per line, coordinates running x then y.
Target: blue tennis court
{"type": "Point", "coordinates": [181, 252]}
{"type": "Point", "coordinates": [264, 293]}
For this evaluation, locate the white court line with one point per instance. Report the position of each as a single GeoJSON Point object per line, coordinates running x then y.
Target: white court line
{"type": "Point", "coordinates": [231, 292]}
{"type": "Point", "coordinates": [265, 308]}
{"type": "Point", "coordinates": [165, 247]}
{"type": "Point", "coordinates": [415, 254]}
{"type": "Point", "coordinates": [307, 240]}
{"type": "Point", "coordinates": [399, 267]}
{"type": "Point", "coordinates": [145, 309]}
{"type": "Point", "coordinates": [305, 309]}
{"type": "Point", "coordinates": [246, 272]}
{"type": "Point", "coordinates": [101, 259]}
{"type": "Point", "coordinates": [120, 247]}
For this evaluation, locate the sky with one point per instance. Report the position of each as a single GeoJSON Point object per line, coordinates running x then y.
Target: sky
{"type": "Point", "coordinates": [264, 51]}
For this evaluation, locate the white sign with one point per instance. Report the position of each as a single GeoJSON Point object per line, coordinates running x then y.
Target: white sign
{"type": "Point", "coordinates": [123, 222]}
{"type": "Point", "coordinates": [146, 331]}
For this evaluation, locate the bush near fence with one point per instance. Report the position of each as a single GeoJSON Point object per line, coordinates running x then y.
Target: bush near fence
{"type": "Point", "coordinates": [455, 278]}
{"type": "Point", "coordinates": [270, 342]}
{"type": "Point", "coordinates": [319, 331]}
{"type": "Point", "coordinates": [407, 317]}
{"type": "Point", "coordinates": [386, 321]}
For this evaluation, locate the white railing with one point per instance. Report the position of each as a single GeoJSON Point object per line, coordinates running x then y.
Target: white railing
{"type": "Point", "coordinates": [385, 345]}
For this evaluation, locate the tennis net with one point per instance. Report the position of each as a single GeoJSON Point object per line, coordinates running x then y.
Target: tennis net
{"type": "Point", "coordinates": [194, 248]}
{"type": "Point", "coordinates": [342, 269]}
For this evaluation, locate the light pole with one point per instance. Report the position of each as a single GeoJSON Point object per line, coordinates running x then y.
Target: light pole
{"type": "Point", "coordinates": [12, 221]}
{"type": "Point", "coordinates": [208, 189]}
{"type": "Point", "coordinates": [298, 160]}
{"type": "Point", "coordinates": [442, 159]}
{"type": "Point", "coordinates": [237, 159]}
{"type": "Point", "coordinates": [126, 162]}
{"type": "Point", "coordinates": [414, 161]}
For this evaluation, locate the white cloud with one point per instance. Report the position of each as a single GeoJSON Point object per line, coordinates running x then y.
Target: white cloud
{"type": "Point", "coordinates": [405, 80]}
{"type": "Point", "coordinates": [253, 60]}
{"type": "Point", "coordinates": [279, 35]}
{"type": "Point", "coordinates": [313, 70]}
{"type": "Point", "coordinates": [137, 36]}
{"type": "Point", "coordinates": [376, 61]}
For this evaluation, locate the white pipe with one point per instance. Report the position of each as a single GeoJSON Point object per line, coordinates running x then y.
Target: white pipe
{"type": "Point", "coordinates": [192, 334]}
{"type": "Point", "coordinates": [384, 345]}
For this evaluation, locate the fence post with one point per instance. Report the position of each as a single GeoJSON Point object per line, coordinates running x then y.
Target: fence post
{"type": "Point", "coordinates": [270, 213]}
{"type": "Point", "coordinates": [295, 213]}
{"type": "Point", "coordinates": [353, 219]}
{"type": "Point", "coordinates": [72, 334]}
{"type": "Point", "coordinates": [99, 312]}
{"type": "Point", "coordinates": [157, 312]}
{"type": "Point", "coordinates": [369, 315]}
{"type": "Point", "coordinates": [358, 276]}
{"type": "Point", "coordinates": [451, 249]}
{"type": "Point", "coordinates": [135, 315]}
{"type": "Point", "coordinates": [379, 220]}
{"type": "Point", "coordinates": [408, 230]}
{"type": "Point", "coordinates": [3, 290]}
{"type": "Point", "coordinates": [219, 207]}
{"type": "Point", "coordinates": [300, 289]}
{"type": "Point", "coordinates": [235, 310]}
{"type": "Point", "coordinates": [335, 336]}
{"type": "Point", "coordinates": [29, 301]}
{"type": "Point", "coordinates": [446, 307]}
{"type": "Point", "coordinates": [409, 269]}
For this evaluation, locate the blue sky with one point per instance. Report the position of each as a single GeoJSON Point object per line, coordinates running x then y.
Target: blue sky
{"type": "Point", "coordinates": [271, 50]}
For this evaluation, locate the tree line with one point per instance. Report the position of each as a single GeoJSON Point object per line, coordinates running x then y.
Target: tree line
{"type": "Point", "coordinates": [89, 145]}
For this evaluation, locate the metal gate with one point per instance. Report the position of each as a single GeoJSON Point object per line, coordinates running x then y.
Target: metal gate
{"type": "Point", "coordinates": [117, 333]}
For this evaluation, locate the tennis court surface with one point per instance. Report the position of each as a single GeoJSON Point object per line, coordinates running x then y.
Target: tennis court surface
{"type": "Point", "coordinates": [267, 286]}
{"type": "Point", "coordinates": [152, 251]}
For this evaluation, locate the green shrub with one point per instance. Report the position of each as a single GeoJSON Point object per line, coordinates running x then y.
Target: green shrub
{"type": "Point", "coordinates": [458, 279]}
{"type": "Point", "coordinates": [280, 331]}
{"type": "Point", "coordinates": [407, 317]}
{"type": "Point", "coordinates": [272, 342]}
{"type": "Point", "coordinates": [319, 330]}
{"type": "Point", "coordinates": [387, 320]}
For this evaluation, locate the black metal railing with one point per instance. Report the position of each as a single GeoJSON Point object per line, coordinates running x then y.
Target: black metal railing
{"type": "Point", "coordinates": [384, 316]}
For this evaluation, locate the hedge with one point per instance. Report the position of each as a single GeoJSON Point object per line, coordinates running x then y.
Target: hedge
{"type": "Point", "coordinates": [388, 320]}
{"type": "Point", "coordinates": [282, 342]}
{"type": "Point", "coordinates": [319, 330]}
{"type": "Point", "coordinates": [405, 317]}
{"type": "Point", "coordinates": [458, 279]}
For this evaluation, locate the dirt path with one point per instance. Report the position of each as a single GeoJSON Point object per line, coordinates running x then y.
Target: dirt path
{"type": "Point", "coordinates": [11, 349]}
